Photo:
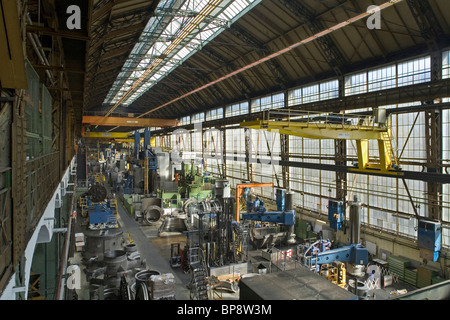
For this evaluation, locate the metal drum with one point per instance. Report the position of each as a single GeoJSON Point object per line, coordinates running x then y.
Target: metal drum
{"type": "Point", "coordinates": [130, 247]}
{"type": "Point", "coordinates": [115, 260]}
{"type": "Point", "coordinates": [152, 214]}
{"type": "Point", "coordinates": [145, 275]}
{"type": "Point", "coordinates": [100, 241]}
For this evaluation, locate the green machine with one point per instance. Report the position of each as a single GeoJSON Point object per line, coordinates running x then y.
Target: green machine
{"type": "Point", "coordinates": [194, 183]}
{"type": "Point", "coordinates": [189, 182]}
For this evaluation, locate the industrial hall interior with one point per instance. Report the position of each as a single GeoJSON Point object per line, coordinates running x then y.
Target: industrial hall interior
{"type": "Point", "coordinates": [225, 150]}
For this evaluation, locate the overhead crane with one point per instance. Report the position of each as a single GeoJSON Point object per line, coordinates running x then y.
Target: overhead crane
{"type": "Point", "coordinates": [316, 125]}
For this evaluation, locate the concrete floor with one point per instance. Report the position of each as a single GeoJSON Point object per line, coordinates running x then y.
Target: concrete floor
{"type": "Point", "coordinates": [155, 250]}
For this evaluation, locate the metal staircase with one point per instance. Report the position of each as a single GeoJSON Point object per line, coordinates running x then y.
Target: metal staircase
{"type": "Point", "coordinates": [199, 280]}
{"type": "Point", "coordinates": [388, 147]}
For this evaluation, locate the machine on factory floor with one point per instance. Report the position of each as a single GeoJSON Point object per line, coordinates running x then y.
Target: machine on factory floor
{"type": "Point", "coordinates": [320, 253]}
{"type": "Point", "coordinates": [122, 274]}
{"type": "Point", "coordinates": [98, 208]}
{"type": "Point", "coordinates": [334, 272]}
{"type": "Point", "coordinates": [214, 241]}
{"type": "Point", "coordinates": [282, 219]}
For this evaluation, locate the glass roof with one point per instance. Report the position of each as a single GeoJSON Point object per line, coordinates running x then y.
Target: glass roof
{"type": "Point", "coordinates": [177, 30]}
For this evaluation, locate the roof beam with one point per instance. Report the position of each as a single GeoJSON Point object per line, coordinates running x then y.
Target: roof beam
{"type": "Point", "coordinates": [271, 56]}
{"type": "Point", "coordinates": [329, 48]}
{"type": "Point", "coordinates": [429, 26]}
{"type": "Point", "coordinates": [60, 33]}
{"type": "Point", "coordinates": [279, 73]}
{"type": "Point", "coordinates": [129, 122]}
{"type": "Point", "coordinates": [106, 135]}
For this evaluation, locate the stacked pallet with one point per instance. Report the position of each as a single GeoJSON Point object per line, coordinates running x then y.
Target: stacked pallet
{"type": "Point", "coordinates": [162, 286]}
{"type": "Point", "coordinates": [397, 266]}
{"type": "Point", "coordinates": [411, 276]}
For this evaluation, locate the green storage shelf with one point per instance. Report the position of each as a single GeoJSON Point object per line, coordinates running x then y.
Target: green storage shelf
{"type": "Point", "coordinates": [411, 276]}
{"type": "Point", "coordinates": [397, 265]}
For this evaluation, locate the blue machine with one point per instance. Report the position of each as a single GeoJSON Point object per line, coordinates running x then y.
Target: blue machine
{"type": "Point", "coordinates": [336, 214]}
{"type": "Point", "coordinates": [287, 218]}
{"type": "Point", "coordinates": [429, 237]}
{"type": "Point", "coordinates": [128, 186]}
{"type": "Point", "coordinates": [101, 214]}
{"type": "Point", "coordinates": [137, 142]}
{"type": "Point", "coordinates": [281, 199]}
{"type": "Point", "coordinates": [257, 212]}
{"type": "Point", "coordinates": [152, 160]}
{"type": "Point", "coordinates": [354, 253]}
{"type": "Point", "coordinates": [147, 151]}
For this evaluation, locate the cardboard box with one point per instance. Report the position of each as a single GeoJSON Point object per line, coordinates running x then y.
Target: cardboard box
{"type": "Point", "coordinates": [79, 237]}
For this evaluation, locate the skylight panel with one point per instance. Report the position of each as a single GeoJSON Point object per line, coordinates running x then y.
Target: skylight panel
{"type": "Point", "coordinates": [178, 30]}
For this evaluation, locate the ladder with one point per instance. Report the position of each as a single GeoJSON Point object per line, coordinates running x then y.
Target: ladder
{"type": "Point", "coordinates": [199, 284]}
{"type": "Point", "coordinates": [146, 168]}
{"type": "Point", "coordinates": [388, 148]}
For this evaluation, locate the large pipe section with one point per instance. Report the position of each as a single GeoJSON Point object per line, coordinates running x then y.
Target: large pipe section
{"type": "Point", "coordinates": [355, 220]}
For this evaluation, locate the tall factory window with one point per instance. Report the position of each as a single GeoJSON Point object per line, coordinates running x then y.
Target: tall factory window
{"type": "Point", "coordinates": [414, 71]}
{"type": "Point", "coordinates": [329, 90]}
{"type": "Point", "coordinates": [295, 97]}
{"type": "Point", "coordinates": [382, 78]}
{"type": "Point", "coordinates": [180, 140]}
{"type": "Point", "coordinates": [236, 109]}
{"type": "Point", "coordinates": [305, 182]}
{"type": "Point", "coordinates": [198, 117]}
{"type": "Point", "coordinates": [446, 65]}
{"type": "Point", "coordinates": [214, 114]}
{"type": "Point", "coordinates": [197, 143]}
{"type": "Point", "coordinates": [213, 152]}
{"type": "Point", "coordinates": [185, 120]}
{"type": "Point", "coordinates": [267, 102]}
{"type": "Point", "coordinates": [446, 164]}
{"type": "Point", "coordinates": [310, 93]}
{"type": "Point", "coordinates": [235, 149]}
{"type": "Point", "coordinates": [328, 178]}
{"type": "Point", "coordinates": [356, 83]}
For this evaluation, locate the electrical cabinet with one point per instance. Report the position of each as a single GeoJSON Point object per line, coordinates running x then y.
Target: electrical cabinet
{"type": "Point", "coordinates": [429, 237]}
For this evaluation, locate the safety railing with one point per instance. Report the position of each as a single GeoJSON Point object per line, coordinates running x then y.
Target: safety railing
{"type": "Point", "coordinates": [331, 120]}
{"type": "Point", "coordinates": [5, 225]}
{"type": "Point", "coordinates": [42, 179]}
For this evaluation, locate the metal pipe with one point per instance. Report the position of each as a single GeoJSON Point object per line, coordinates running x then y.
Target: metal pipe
{"type": "Point", "coordinates": [355, 220]}
{"type": "Point", "coordinates": [35, 42]}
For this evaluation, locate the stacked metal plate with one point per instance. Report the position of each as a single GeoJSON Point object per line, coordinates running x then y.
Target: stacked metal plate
{"type": "Point", "coordinates": [397, 266]}
{"type": "Point", "coordinates": [411, 276]}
